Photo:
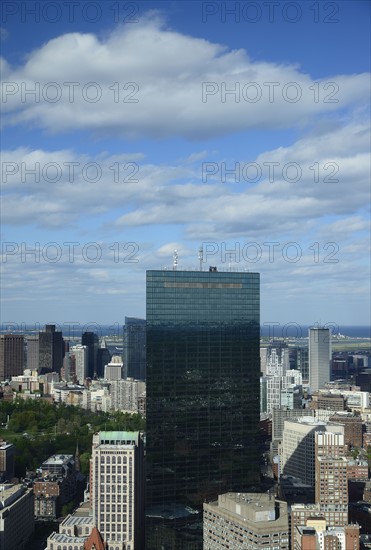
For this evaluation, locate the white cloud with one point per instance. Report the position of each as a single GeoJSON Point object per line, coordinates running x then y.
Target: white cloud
{"type": "Point", "coordinates": [136, 194]}
{"type": "Point", "coordinates": [169, 72]}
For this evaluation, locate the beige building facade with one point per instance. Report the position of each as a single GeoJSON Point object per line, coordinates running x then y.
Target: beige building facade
{"type": "Point", "coordinates": [245, 520]}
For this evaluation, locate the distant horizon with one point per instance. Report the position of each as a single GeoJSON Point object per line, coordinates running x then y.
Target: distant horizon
{"type": "Point", "coordinates": [272, 329]}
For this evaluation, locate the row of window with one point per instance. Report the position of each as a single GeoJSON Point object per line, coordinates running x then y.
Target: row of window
{"type": "Point", "coordinates": [111, 458]}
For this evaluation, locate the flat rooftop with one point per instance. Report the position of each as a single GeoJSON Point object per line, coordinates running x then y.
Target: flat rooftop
{"type": "Point", "coordinates": [56, 460]}
{"type": "Point", "coordinates": [258, 509]}
{"type": "Point", "coordinates": [83, 510]}
{"type": "Point", "coordinates": [10, 493]}
{"type": "Point", "coordinates": [78, 520]}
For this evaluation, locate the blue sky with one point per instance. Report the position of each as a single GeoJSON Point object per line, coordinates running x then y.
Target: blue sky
{"type": "Point", "coordinates": [241, 127]}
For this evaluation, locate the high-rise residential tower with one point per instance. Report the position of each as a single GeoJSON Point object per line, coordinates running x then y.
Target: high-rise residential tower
{"type": "Point", "coordinates": [81, 362]}
{"type": "Point", "coordinates": [33, 352]}
{"type": "Point", "coordinates": [202, 397]}
{"type": "Point", "coordinates": [329, 515]}
{"type": "Point", "coordinates": [319, 357]}
{"type": "Point", "coordinates": [331, 476]}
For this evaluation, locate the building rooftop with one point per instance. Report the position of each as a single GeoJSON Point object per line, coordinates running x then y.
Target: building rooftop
{"type": "Point", "coordinates": [205, 269]}
{"type": "Point", "coordinates": [310, 420]}
{"type": "Point", "coordinates": [116, 438]}
{"type": "Point", "coordinates": [258, 508]}
{"type": "Point", "coordinates": [57, 460]}
{"type": "Point", "coordinates": [10, 493]}
{"type": "Point", "coordinates": [357, 462]}
{"type": "Point", "coordinates": [78, 520]}
{"type": "Point", "coordinates": [83, 510]}
{"type": "Point", "coordinates": [301, 506]}
{"type": "Point", "coordinates": [317, 507]}
{"type": "Point", "coordinates": [333, 459]}
{"type": "Point", "coordinates": [61, 537]}
{"type": "Point", "coordinates": [4, 445]}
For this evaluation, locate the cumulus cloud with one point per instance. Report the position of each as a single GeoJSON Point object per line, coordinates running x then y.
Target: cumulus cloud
{"type": "Point", "coordinates": [328, 175]}
{"type": "Point", "coordinates": [145, 80]}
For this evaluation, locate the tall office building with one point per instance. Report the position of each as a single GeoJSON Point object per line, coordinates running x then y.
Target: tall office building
{"type": "Point", "coordinates": [11, 355]}
{"type": "Point", "coordinates": [125, 394]}
{"type": "Point", "coordinates": [117, 489]}
{"type": "Point", "coordinates": [32, 343]}
{"type": "Point", "coordinates": [91, 340]}
{"type": "Point", "coordinates": [319, 357]}
{"type": "Point", "coordinates": [134, 347]}
{"type": "Point", "coordinates": [277, 385]}
{"type": "Point", "coordinates": [298, 446]}
{"type": "Point", "coordinates": [280, 414]}
{"type": "Point", "coordinates": [202, 398]}
{"type": "Point", "coordinates": [51, 350]}
{"type": "Point", "coordinates": [277, 360]}
{"type": "Point", "coordinates": [103, 358]}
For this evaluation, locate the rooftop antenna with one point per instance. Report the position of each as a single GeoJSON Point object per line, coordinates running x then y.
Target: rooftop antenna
{"type": "Point", "coordinates": [201, 256]}
{"type": "Point", "coordinates": [175, 260]}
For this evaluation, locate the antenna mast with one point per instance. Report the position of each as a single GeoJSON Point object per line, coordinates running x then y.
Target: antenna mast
{"type": "Point", "coordinates": [201, 256]}
{"type": "Point", "coordinates": [175, 260]}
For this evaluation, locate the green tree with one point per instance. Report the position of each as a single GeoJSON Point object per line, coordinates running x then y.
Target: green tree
{"type": "Point", "coordinates": [85, 463]}
{"type": "Point", "coordinates": [68, 508]}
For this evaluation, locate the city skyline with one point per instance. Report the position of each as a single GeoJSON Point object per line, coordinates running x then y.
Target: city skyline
{"type": "Point", "coordinates": [131, 130]}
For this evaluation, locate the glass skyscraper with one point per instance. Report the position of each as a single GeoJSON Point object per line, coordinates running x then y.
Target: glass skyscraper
{"type": "Point", "coordinates": [134, 347]}
{"type": "Point", "coordinates": [203, 371]}
{"type": "Point", "coordinates": [91, 340]}
{"type": "Point", "coordinates": [51, 350]}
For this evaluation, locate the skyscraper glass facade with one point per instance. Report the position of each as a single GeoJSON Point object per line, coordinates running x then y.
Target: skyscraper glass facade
{"type": "Point", "coordinates": [134, 347]}
{"type": "Point", "coordinates": [203, 372]}
{"type": "Point", "coordinates": [91, 340]}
